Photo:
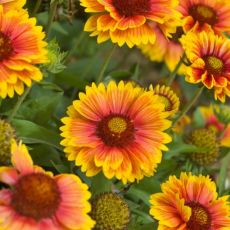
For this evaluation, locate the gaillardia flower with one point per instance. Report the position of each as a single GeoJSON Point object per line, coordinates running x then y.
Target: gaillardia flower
{"type": "Point", "coordinates": [167, 97]}
{"type": "Point", "coordinates": [207, 139]}
{"type": "Point", "coordinates": [110, 211]}
{"type": "Point", "coordinates": [12, 4]}
{"type": "Point", "coordinates": [127, 21]}
{"type": "Point", "coordinates": [165, 49]}
{"type": "Point", "coordinates": [38, 200]}
{"type": "Point", "coordinates": [209, 55]}
{"type": "Point", "coordinates": [190, 203]}
{"type": "Point", "coordinates": [118, 129]}
{"type": "Point", "coordinates": [211, 121]}
{"type": "Point", "coordinates": [21, 47]}
{"type": "Point", "coordinates": [7, 135]}
{"type": "Point", "coordinates": [205, 15]}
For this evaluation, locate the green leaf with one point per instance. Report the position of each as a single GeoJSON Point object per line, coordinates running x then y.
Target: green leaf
{"type": "Point", "coordinates": [31, 133]}
{"type": "Point", "coordinates": [100, 184]}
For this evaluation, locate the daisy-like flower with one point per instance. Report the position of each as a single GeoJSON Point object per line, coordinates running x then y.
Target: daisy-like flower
{"type": "Point", "coordinates": [165, 49]}
{"type": "Point", "coordinates": [128, 21]}
{"type": "Point", "coordinates": [38, 200]}
{"type": "Point", "coordinates": [12, 4]}
{"type": "Point", "coordinates": [209, 55]}
{"type": "Point", "coordinates": [211, 121]}
{"type": "Point", "coordinates": [118, 129]}
{"type": "Point", "coordinates": [21, 47]}
{"type": "Point", "coordinates": [190, 203]}
{"type": "Point", "coordinates": [167, 97]}
{"type": "Point", "coordinates": [205, 15]}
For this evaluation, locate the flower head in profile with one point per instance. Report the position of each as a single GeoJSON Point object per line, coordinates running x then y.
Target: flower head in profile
{"type": "Point", "coordinates": [21, 48]}
{"type": "Point", "coordinates": [118, 129]}
{"type": "Point", "coordinates": [190, 203]}
{"type": "Point", "coordinates": [38, 200]}
{"type": "Point", "coordinates": [209, 55]}
{"type": "Point", "coordinates": [205, 15]}
{"type": "Point", "coordinates": [128, 21]}
{"type": "Point", "coordinates": [165, 49]}
{"type": "Point", "coordinates": [211, 121]}
{"type": "Point", "coordinates": [167, 97]}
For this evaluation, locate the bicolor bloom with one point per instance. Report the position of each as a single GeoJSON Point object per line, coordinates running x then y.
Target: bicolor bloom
{"type": "Point", "coordinates": [211, 121]}
{"type": "Point", "coordinates": [209, 55]}
{"type": "Point", "coordinates": [167, 97]}
{"type": "Point", "coordinates": [118, 129]}
{"type": "Point", "coordinates": [165, 49]}
{"type": "Point", "coordinates": [35, 199]}
{"type": "Point", "coordinates": [205, 15]}
{"type": "Point", "coordinates": [12, 4]}
{"type": "Point", "coordinates": [128, 21]}
{"type": "Point", "coordinates": [21, 48]}
{"type": "Point", "coordinates": [190, 203]}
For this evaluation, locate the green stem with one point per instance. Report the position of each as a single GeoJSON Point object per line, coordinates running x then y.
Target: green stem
{"type": "Point", "coordinates": [19, 103]}
{"type": "Point", "coordinates": [189, 105]}
{"type": "Point", "coordinates": [52, 11]}
{"type": "Point", "coordinates": [174, 72]}
{"type": "Point", "coordinates": [105, 65]}
{"type": "Point", "coordinates": [36, 8]}
{"type": "Point", "coordinates": [223, 173]}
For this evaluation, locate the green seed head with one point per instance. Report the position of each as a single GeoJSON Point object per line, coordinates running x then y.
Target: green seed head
{"type": "Point", "coordinates": [7, 134]}
{"type": "Point", "coordinates": [110, 212]}
{"type": "Point", "coordinates": [204, 138]}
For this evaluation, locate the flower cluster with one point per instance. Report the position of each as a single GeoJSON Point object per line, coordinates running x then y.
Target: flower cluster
{"type": "Point", "coordinates": [124, 149]}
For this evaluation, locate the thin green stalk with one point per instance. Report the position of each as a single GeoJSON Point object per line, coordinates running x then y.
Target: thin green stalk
{"type": "Point", "coordinates": [189, 105]}
{"type": "Point", "coordinates": [37, 7]}
{"type": "Point", "coordinates": [174, 72]}
{"type": "Point", "coordinates": [223, 173]}
{"type": "Point", "coordinates": [18, 104]}
{"type": "Point", "coordinates": [52, 11]}
{"type": "Point", "coordinates": [105, 65]}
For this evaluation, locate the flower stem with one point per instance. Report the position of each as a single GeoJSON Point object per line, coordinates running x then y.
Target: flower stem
{"type": "Point", "coordinates": [105, 64]}
{"type": "Point", "coordinates": [19, 103]}
{"type": "Point", "coordinates": [174, 72]}
{"type": "Point", "coordinates": [52, 11]}
{"type": "Point", "coordinates": [36, 8]}
{"type": "Point", "coordinates": [189, 105]}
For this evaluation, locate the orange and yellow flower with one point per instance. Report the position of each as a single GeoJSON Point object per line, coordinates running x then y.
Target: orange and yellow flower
{"type": "Point", "coordinates": [211, 121]}
{"type": "Point", "coordinates": [128, 21]}
{"type": "Point", "coordinates": [38, 200]}
{"type": "Point", "coordinates": [118, 129]}
{"type": "Point", "coordinates": [21, 48]}
{"type": "Point", "coordinates": [12, 4]}
{"type": "Point", "coordinates": [205, 15]}
{"type": "Point", "coordinates": [190, 203]}
{"type": "Point", "coordinates": [167, 97]}
{"type": "Point", "coordinates": [165, 49]}
{"type": "Point", "coordinates": [209, 55]}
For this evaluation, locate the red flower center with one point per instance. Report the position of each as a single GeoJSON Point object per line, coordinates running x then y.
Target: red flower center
{"type": "Point", "coordinates": [6, 48]}
{"type": "Point", "coordinates": [116, 130]}
{"type": "Point", "coordinates": [129, 8]}
{"type": "Point", "coordinates": [200, 218]}
{"type": "Point", "coordinates": [36, 195]}
{"type": "Point", "coordinates": [203, 14]}
{"type": "Point", "coordinates": [214, 65]}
